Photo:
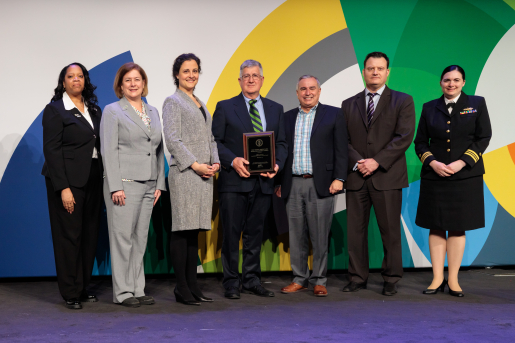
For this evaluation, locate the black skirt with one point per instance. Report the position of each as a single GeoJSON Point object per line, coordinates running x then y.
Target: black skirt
{"type": "Point", "coordinates": [456, 205]}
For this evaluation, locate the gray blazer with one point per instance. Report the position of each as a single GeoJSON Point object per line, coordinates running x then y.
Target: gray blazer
{"type": "Point", "coordinates": [129, 150]}
{"type": "Point", "coordinates": [188, 138]}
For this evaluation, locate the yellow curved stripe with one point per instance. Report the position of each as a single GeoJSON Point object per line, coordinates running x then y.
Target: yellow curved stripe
{"type": "Point", "coordinates": [278, 41]}
{"type": "Point", "coordinates": [500, 177]}
{"type": "Point", "coordinates": [284, 35]}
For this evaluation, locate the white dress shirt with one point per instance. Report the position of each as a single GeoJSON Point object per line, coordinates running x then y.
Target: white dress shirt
{"type": "Point", "coordinates": [69, 105]}
{"type": "Point", "coordinates": [455, 100]}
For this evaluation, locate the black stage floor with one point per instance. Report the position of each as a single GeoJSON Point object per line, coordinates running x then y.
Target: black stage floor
{"type": "Point", "coordinates": [34, 312]}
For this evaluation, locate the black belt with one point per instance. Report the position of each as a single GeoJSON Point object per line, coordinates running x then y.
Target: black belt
{"type": "Point", "coordinates": [304, 176]}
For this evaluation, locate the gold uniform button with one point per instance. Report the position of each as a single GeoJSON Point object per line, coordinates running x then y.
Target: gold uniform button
{"type": "Point", "coordinates": [448, 140]}
{"type": "Point", "coordinates": [448, 150]}
{"type": "Point", "coordinates": [448, 122]}
{"type": "Point", "coordinates": [448, 131]}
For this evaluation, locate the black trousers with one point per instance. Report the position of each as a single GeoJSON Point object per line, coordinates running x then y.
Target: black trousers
{"type": "Point", "coordinates": [243, 214]}
{"type": "Point", "coordinates": [387, 206]}
{"type": "Point", "coordinates": [75, 235]}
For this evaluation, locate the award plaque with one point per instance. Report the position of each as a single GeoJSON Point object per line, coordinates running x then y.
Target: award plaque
{"type": "Point", "coordinates": [259, 150]}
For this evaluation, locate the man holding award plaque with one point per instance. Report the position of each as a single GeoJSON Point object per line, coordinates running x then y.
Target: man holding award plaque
{"type": "Point", "coordinates": [249, 132]}
{"type": "Point", "coordinates": [315, 170]}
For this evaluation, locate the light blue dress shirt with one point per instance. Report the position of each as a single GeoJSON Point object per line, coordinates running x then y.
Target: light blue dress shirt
{"type": "Point", "coordinates": [259, 106]}
{"type": "Point", "coordinates": [301, 147]}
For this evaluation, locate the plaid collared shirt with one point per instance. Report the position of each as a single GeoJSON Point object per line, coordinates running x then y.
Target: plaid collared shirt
{"type": "Point", "coordinates": [301, 147]}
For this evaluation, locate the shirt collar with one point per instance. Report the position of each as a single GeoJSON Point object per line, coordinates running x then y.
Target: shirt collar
{"type": "Point", "coordinates": [379, 91]}
{"type": "Point", "coordinates": [258, 99]}
{"type": "Point", "coordinates": [313, 109]}
{"type": "Point", "coordinates": [455, 100]}
{"type": "Point", "coordinates": [68, 103]}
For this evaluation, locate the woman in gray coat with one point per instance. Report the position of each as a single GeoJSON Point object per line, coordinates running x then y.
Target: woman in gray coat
{"type": "Point", "coordinates": [133, 156]}
{"type": "Point", "coordinates": [194, 161]}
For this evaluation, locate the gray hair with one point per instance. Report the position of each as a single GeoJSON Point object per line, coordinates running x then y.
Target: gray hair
{"type": "Point", "coordinates": [251, 63]}
{"type": "Point", "coordinates": [307, 76]}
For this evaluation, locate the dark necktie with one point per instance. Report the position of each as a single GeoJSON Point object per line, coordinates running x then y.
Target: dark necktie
{"type": "Point", "coordinates": [450, 106]}
{"type": "Point", "coordinates": [371, 109]}
{"type": "Point", "coordinates": [255, 117]}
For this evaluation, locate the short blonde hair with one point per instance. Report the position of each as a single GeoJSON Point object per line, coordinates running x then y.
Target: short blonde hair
{"type": "Point", "coordinates": [124, 69]}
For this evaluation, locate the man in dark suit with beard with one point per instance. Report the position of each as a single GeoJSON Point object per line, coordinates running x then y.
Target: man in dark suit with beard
{"type": "Point", "coordinates": [381, 125]}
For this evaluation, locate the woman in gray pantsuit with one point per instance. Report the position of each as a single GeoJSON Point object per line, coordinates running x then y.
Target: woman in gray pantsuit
{"type": "Point", "coordinates": [194, 162]}
{"type": "Point", "coordinates": [132, 152]}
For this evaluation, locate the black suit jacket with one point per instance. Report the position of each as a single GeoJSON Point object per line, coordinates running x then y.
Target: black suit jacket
{"type": "Point", "coordinates": [464, 134]}
{"type": "Point", "coordinates": [329, 149]}
{"type": "Point", "coordinates": [231, 120]}
{"type": "Point", "coordinates": [68, 142]}
{"type": "Point", "coordinates": [386, 140]}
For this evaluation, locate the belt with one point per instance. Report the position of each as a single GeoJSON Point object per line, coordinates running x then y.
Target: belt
{"type": "Point", "coordinates": [304, 176]}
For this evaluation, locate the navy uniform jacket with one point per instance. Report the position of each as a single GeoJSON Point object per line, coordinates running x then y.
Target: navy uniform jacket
{"type": "Point", "coordinates": [329, 148]}
{"type": "Point", "coordinates": [464, 134]}
{"type": "Point", "coordinates": [231, 120]}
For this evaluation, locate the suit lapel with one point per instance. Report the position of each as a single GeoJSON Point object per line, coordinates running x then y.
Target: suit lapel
{"type": "Point", "coordinates": [292, 123]}
{"type": "Point", "coordinates": [319, 115]}
{"type": "Point", "coordinates": [268, 113]}
{"type": "Point", "coordinates": [76, 113]}
{"type": "Point", "coordinates": [442, 107]}
{"type": "Point", "coordinates": [129, 112]}
{"type": "Point", "coordinates": [360, 103]}
{"type": "Point", "coordinates": [383, 100]}
{"type": "Point", "coordinates": [241, 111]}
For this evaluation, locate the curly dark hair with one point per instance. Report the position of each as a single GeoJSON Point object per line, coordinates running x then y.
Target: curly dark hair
{"type": "Point", "coordinates": [178, 63]}
{"type": "Point", "coordinates": [88, 93]}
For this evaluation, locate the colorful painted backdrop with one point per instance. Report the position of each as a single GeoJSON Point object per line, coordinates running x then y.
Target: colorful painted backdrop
{"type": "Point", "coordinates": [327, 38]}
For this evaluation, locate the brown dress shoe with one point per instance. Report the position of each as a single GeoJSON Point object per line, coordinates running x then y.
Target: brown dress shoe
{"type": "Point", "coordinates": [320, 291]}
{"type": "Point", "coordinates": [293, 288]}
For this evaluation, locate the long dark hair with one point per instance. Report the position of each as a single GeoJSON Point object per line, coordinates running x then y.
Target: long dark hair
{"type": "Point", "coordinates": [178, 63]}
{"type": "Point", "coordinates": [88, 93]}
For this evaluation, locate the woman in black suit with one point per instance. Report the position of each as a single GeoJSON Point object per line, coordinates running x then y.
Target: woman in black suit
{"type": "Point", "coordinates": [453, 133]}
{"type": "Point", "coordinates": [73, 176]}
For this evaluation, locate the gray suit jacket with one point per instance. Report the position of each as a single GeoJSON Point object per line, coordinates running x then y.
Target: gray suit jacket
{"type": "Point", "coordinates": [129, 150]}
{"type": "Point", "coordinates": [188, 138]}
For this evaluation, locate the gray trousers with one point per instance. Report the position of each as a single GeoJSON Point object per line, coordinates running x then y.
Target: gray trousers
{"type": "Point", "coordinates": [128, 231]}
{"type": "Point", "coordinates": [309, 216]}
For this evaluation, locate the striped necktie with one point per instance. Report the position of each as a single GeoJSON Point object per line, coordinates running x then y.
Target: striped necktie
{"type": "Point", "coordinates": [370, 109]}
{"type": "Point", "coordinates": [255, 117]}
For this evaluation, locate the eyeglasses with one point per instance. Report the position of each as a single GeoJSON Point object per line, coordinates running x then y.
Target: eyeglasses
{"type": "Point", "coordinates": [247, 77]}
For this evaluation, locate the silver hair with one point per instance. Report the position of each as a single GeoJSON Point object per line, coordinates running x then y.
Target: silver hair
{"type": "Point", "coordinates": [307, 76]}
{"type": "Point", "coordinates": [251, 63]}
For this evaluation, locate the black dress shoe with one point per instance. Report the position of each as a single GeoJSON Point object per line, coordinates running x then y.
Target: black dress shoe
{"type": "Point", "coordinates": [389, 288]}
{"type": "Point", "coordinates": [258, 290]}
{"type": "Point", "coordinates": [73, 304]}
{"type": "Point", "coordinates": [88, 298]}
{"type": "Point", "coordinates": [202, 298]}
{"type": "Point", "coordinates": [458, 294]}
{"type": "Point", "coordinates": [146, 300]}
{"type": "Point", "coordinates": [232, 293]}
{"type": "Point", "coordinates": [441, 288]}
{"type": "Point", "coordinates": [354, 286]}
{"type": "Point", "coordinates": [179, 298]}
{"type": "Point", "coordinates": [131, 302]}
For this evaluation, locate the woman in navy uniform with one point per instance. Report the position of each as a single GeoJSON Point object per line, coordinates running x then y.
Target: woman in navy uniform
{"type": "Point", "coordinates": [453, 133]}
